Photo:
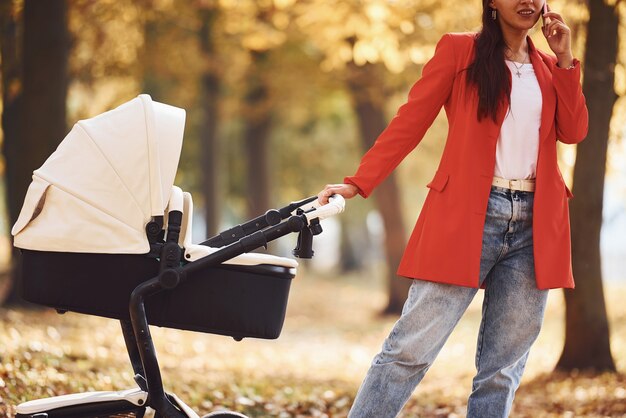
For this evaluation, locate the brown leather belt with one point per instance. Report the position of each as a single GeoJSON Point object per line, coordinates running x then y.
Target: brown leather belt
{"type": "Point", "coordinates": [522, 185]}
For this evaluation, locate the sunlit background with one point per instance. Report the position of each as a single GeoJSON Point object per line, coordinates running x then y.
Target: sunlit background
{"type": "Point", "coordinates": [123, 48]}
{"type": "Point", "coordinates": [285, 70]}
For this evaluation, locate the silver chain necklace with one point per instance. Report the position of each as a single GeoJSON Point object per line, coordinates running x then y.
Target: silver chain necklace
{"type": "Point", "coordinates": [517, 69]}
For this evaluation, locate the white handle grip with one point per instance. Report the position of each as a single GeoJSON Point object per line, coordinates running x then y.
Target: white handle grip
{"type": "Point", "coordinates": [336, 204]}
{"type": "Point", "coordinates": [176, 200]}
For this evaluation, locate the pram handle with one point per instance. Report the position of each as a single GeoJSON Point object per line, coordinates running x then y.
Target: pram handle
{"type": "Point", "coordinates": [270, 218]}
{"type": "Point", "coordinates": [246, 244]}
{"type": "Point", "coordinates": [336, 204]}
{"type": "Point", "coordinates": [295, 223]}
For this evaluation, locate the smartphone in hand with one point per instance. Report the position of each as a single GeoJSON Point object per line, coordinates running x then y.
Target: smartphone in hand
{"type": "Point", "coordinates": [544, 10]}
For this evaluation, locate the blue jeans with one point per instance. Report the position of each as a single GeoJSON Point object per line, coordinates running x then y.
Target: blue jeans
{"type": "Point", "coordinates": [512, 315]}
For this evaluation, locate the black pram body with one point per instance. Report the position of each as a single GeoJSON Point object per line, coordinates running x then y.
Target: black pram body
{"type": "Point", "coordinates": [238, 301]}
{"type": "Point", "coordinates": [84, 242]}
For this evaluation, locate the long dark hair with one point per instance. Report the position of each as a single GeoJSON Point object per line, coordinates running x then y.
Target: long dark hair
{"type": "Point", "coordinates": [488, 72]}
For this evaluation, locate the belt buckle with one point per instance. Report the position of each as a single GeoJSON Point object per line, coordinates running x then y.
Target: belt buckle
{"type": "Point", "coordinates": [515, 184]}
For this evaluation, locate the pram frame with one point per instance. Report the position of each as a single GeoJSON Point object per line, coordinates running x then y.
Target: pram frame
{"type": "Point", "coordinates": [252, 235]}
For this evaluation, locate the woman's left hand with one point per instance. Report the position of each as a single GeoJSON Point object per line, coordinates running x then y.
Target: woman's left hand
{"type": "Point", "coordinates": [559, 38]}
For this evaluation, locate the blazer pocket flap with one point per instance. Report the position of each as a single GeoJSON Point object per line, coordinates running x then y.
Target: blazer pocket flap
{"type": "Point", "coordinates": [33, 203]}
{"type": "Point", "coordinates": [438, 182]}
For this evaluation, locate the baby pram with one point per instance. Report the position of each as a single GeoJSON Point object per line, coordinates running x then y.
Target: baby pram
{"type": "Point", "coordinates": [104, 232]}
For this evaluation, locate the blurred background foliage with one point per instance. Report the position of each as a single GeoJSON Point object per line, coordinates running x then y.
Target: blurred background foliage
{"type": "Point", "coordinates": [272, 90]}
{"type": "Point", "coordinates": [122, 48]}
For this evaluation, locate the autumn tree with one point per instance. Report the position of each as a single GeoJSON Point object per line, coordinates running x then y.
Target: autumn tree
{"type": "Point", "coordinates": [365, 86]}
{"type": "Point", "coordinates": [38, 117]}
{"type": "Point", "coordinates": [179, 64]}
{"type": "Point", "coordinates": [10, 51]}
{"type": "Point", "coordinates": [209, 103]}
{"type": "Point", "coordinates": [258, 35]}
{"type": "Point", "coordinates": [365, 45]}
{"type": "Point", "coordinates": [586, 325]}
{"type": "Point", "coordinates": [258, 116]}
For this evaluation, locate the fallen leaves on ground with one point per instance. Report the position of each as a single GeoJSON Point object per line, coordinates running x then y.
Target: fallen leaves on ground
{"type": "Point", "coordinates": [313, 370]}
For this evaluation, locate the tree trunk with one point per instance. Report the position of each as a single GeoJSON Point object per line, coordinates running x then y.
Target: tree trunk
{"type": "Point", "coordinates": [209, 150]}
{"type": "Point", "coordinates": [348, 260]}
{"type": "Point", "coordinates": [11, 97]}
{"type": "Point", "coordinates": [258, 122]}
{"type": "Point", "coordinates": [41, 121]}
{"type": "Point", "coordinates": [150, 54]}
{"type": "Point", "coordinates": [586, 325]}
{"type": "Point", "coordinates": [368, 98]}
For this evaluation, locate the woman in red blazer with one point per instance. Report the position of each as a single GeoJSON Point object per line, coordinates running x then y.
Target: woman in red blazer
{"type": "Point", "coordinates": [496, 214]}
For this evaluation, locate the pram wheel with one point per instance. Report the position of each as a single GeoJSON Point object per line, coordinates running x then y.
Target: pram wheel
{"type": "Point", "coordinates": [224, 414]}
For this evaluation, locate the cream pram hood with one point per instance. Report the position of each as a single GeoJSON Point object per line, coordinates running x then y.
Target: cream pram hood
{"type": "Point", "coordinates": [106, 180]}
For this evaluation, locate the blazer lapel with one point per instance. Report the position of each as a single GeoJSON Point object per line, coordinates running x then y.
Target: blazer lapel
{"type": "Point", "coordinates": [544, 77]}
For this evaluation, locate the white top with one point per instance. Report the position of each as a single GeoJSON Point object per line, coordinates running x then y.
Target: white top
{"type": "Point", "coordinates": [518, 143]}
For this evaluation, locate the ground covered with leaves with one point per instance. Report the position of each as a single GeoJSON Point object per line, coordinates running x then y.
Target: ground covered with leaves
{"type": "Point", "coordinates": [313, 370]}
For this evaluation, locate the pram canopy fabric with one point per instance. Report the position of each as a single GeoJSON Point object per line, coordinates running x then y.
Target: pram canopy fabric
{"type": "Point", "coordinates": [106, 180]}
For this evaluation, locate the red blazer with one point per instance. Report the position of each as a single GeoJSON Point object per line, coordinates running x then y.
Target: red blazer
{"type": "Point", "coordinates": [446, 244]}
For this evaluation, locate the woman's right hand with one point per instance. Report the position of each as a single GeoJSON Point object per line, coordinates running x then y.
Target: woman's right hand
{"type": "Point", "coordinates": [348, 191]}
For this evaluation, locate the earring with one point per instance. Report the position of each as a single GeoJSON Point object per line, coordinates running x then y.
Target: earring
{"type": "Point", "coordinates": [493, 14]}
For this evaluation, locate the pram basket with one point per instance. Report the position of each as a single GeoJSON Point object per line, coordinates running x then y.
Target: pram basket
{"type": "Point", "coordinates": [238, 301]}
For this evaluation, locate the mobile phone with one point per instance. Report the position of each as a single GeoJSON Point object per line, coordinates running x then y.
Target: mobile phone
{"type": "Point", "coordinates": [544, 10]}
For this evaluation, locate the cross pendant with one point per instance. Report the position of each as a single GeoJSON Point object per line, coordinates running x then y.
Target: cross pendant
{"type": "Point", "coordinates": [518, 74]}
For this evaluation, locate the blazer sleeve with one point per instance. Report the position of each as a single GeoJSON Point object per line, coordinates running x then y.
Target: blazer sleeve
{"type": "Point", "coordinates": [572, 119]}
{"type": "Point", "coordinates": [412, 120]}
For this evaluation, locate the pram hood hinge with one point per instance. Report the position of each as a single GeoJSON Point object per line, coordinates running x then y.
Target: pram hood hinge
{"type": "Point", "coordinates": [156, 236]}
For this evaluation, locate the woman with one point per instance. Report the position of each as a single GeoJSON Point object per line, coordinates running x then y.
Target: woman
{"type": "Point", "coordinates": [496, 215]}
